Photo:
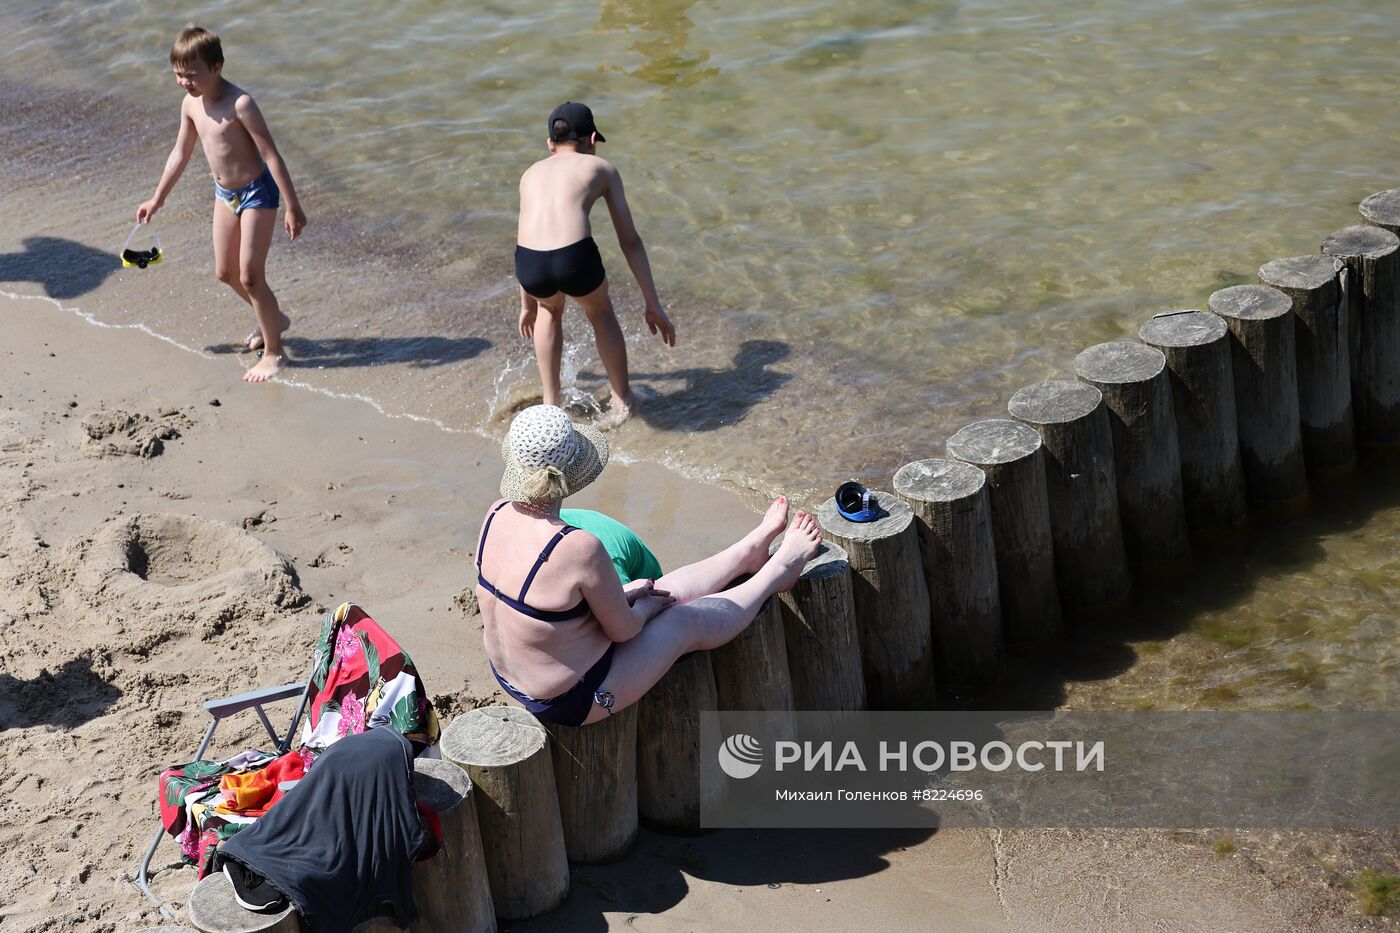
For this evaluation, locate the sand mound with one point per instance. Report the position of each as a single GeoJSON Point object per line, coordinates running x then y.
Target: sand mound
{"type": "Point", "coordinates": [117, 433]}
{"type": "Point", "coordinates": [180, 561]}
{"type": "Point", "coordinates": [107, 646]}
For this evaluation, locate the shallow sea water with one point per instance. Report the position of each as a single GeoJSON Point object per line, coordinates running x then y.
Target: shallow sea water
{"type": "Point", "coordinates": [872, 223]}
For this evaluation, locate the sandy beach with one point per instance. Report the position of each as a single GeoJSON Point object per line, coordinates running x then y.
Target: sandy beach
{"type": "Point", "coordinates": [169, 534]}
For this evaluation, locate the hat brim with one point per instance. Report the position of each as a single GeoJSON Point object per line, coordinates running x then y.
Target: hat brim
{"type": "Point", "coordinates": [588, 463]}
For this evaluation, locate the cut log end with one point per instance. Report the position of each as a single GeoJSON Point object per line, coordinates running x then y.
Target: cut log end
{"type": "Point", "coordinates": [440, 784]}
{"type": "Point", "coordinates": [938, 480]}
{"type": "Point", "coordinates": [1250, 303]}
{"type": "Point", "coordinates": [1119, 362]}
{"type": "Point", "coordinates": [1361, 240]}
{"type": "Point", "coordinates": [1304, 273]}
{"type": "Point", "coordinates": [998, 440]}
{"type": "Point", "coordinates": [1383, 209]}
{"type": "Point", "coordinates": [1054, 402]}
{"type": "Point", "coordinates": [493, 736]}
{"type": "Point", "coordinates": [1173, 329]}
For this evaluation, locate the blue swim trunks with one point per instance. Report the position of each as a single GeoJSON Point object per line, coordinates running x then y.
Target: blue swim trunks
{"type": "Point", "coordinates": [260, 192]}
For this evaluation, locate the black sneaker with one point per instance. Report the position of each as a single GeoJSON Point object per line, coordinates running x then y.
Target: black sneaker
{"type": "Point", "coordinates": [251, 890]}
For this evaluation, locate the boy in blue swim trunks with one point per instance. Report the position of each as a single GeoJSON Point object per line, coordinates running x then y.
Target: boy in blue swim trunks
{"type": "Point", "coordinates": [250, 179]}
{"type": "Point", "coordinates": [556, 258]}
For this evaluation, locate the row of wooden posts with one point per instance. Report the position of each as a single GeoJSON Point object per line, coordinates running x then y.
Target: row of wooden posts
{"type": "Point", "coordinates": [1028, 521]}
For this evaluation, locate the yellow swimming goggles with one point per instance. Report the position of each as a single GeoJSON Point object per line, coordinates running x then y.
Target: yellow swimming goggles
{"type": "Point", "coordinates": [140, 258]}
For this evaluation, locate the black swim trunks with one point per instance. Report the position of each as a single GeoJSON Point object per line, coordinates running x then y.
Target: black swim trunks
{"type": "Point", "coordinates": [575, 270]}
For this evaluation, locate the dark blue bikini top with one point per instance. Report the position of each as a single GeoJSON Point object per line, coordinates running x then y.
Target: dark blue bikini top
{"type": "Point", "coordinates": [518, 603]}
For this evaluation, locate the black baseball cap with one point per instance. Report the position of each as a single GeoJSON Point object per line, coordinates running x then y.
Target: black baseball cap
{"type": "Point", "coordinates": [578, 120]}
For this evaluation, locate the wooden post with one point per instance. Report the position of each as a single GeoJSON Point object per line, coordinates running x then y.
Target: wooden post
{"type": "Point", "coordinates": [751, 672]}
{"type": "Point", "coordinates": [451, 889]}
{"type": "Point", "coordinates": [595, 772]}
{"type": "Point", "coordinates": [1320, 331]}
{"type": "Point", "coordinates": [1197, 348]}
{"type": "Point", "coordinates": [670, 793]}
{"type": "Point", "coordinates": [819, 624]}
{"type": "Point", "coordinates": [891, 600]}
{"type": "Point", "coordinates": [1012, 457]}
{"type": "Point", "coordinates": [1090, 562]}
{"type": "Point", "coordinates": [1137, 392]}
{"type": "Point", "coordinates": [503, 750]}
{"type": "Point", "coordinates": [1264, 361]}
{"type": "Point", "coordinates": [1372, 257]}
{"type": "Point", "coordinates": [953, 516]}
{"type": "Point", "coordinates": [1382, 209]}
{"type": "Point", "coordinates": [212, 909]}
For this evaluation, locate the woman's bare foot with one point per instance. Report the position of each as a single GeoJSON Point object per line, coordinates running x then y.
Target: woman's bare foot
{"type": "Point", "coordinates": [255, 339]}
{"type": "Point", "coordinates": [266, 368]}
{"type": "Point", "coordinates": [755, 544]}
{"type": "Point", "coordinates": [800, 545]}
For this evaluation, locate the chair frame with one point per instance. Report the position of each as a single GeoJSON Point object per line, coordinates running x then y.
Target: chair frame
{"type": "Point", "coordinates": [221, 710]}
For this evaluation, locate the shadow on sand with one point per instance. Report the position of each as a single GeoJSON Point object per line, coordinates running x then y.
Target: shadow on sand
{"type": "Point", "coordinates": [710, 399]}
{"type": "Point", "coordinates": [654, 877]}
{"type": "Point", "coordinates": [69, 698]}
{"type": "Point", "coordinates": [343, 352]}
{"type": "Point", "coordinates": [66, 269]}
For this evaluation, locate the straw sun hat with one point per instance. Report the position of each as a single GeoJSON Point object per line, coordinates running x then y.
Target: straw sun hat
{"type": "Point", "coordinates": [542, 436]}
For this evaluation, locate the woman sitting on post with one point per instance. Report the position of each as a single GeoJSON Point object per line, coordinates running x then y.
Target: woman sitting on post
{"type": "Point", "coordinates": [564, 636]}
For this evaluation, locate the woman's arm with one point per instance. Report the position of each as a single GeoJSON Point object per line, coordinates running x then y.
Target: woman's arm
{"type": "Point", "coordinates": [620, 618]}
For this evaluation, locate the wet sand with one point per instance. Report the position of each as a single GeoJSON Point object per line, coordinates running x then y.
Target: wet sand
{"type": "Point", "coordinates": [158, 549]}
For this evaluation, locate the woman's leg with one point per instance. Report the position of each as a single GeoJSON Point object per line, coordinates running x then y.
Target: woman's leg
{"type": "Point", "coordinates": [714, 573]}
{"type": "Point", "coordinates": [706, 622]}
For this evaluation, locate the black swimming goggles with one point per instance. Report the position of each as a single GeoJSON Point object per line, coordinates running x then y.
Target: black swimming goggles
{"type": "Point", "coordinates": [855, 503]}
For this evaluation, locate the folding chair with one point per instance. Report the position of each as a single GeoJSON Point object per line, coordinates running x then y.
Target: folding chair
{"type": "Point", "coordinates": [353, 653]}
{"type": "Point", "coordinates": [221, 710]}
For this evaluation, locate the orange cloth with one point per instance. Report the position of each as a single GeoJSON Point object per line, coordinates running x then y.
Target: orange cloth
{"type": "Point", "coordinates": [251, 793]}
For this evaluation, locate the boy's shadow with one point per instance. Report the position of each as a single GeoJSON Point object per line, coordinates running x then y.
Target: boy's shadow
{"type": "Point", "coordinates": [65, 268]}
{"type": "Point", "coordinates": [342, 352]}
{"type": "Point", "coordinates": [713, 398]}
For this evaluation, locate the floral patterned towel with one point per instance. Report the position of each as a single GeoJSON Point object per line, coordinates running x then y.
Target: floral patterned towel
{"type": "Point", "coordinates": [362, 679]}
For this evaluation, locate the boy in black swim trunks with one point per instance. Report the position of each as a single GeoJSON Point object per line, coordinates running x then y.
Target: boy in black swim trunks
{"type": "Point", "coordinates": [555, 256]}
